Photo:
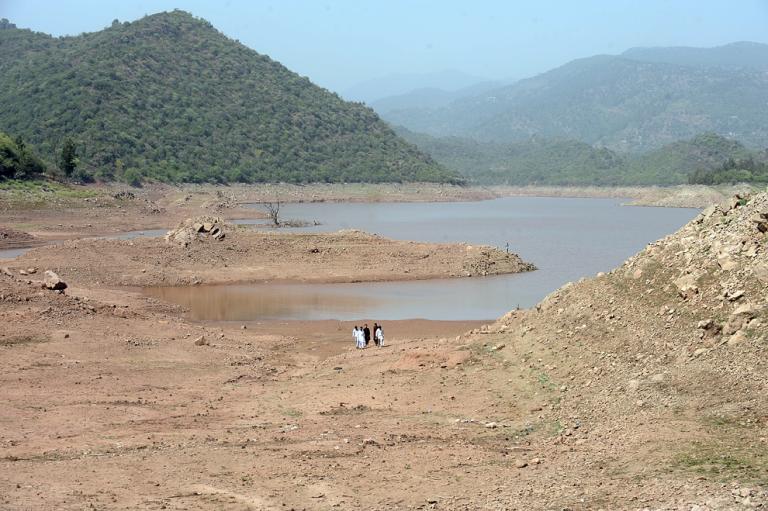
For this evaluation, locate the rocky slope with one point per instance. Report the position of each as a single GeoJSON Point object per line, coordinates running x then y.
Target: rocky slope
{"type": "Point", "coordinates": [659, 367]}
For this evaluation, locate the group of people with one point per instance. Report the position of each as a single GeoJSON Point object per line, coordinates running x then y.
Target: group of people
{"type": "Point", "coordinates": [362, 336]}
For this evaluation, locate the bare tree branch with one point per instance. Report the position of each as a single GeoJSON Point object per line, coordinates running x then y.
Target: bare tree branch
{"type": "Point", "coordinates": [273, 210]}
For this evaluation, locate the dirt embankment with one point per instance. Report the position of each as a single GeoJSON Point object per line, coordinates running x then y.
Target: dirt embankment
{"type": "Point", "coordinates": [244, 255]}
{"type": "Point", "coordinates": [656, 371]}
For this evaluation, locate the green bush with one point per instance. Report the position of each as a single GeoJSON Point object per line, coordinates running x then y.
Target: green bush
{"type": "Point", "coordinates": [17, 161]}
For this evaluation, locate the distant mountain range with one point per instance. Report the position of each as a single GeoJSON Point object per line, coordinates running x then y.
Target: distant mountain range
{"type": "Point", "coordinates": [433, 97]}
{"type": "Point", "coordinates": [170, 97]}
{"type": "Point", "coordinates": [638, 101]}
{"type": "Point", "coordinates": [397, 84]}
{"type": "Point", "coordinates": [741, 55]}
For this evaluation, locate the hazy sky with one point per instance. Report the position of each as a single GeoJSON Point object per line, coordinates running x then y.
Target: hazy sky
{"type": "Point", "coordinates": [339, 43]}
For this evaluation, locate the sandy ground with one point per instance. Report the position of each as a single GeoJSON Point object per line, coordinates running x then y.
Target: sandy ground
{"type": "Point", "coordinates": [609, 395]}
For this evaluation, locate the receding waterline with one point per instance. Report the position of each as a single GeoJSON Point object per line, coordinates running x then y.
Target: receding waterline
{"type": "Point", "coordinates": [566, 238]}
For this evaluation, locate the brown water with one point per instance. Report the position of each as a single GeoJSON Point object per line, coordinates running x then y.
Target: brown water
{"type": "Point", "coordinates": [566, 238]}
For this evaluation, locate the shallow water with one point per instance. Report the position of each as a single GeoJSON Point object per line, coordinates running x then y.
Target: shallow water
{"type": "Point", "coordinates": [566, 238]}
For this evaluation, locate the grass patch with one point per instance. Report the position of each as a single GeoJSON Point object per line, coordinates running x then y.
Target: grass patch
{"type": "Point", "coordinates": [344, 410]}
{"type": "Point", "coordinates": [41, 192]}
{"type": "Point", "coordinates": [16, 340]}
{"type": "Point", "coordinates": [725, 462]}
{"type": "Point", "coordinates": [545, 381]}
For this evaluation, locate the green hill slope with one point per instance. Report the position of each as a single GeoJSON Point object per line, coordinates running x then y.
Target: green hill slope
{"type": "Point", "coordinates": [616, 102]}
{"type": "Point", "coordinates": [172, 98]}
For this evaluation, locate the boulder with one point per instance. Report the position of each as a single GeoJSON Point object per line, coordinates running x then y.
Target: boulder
{"type": "Point", "coordinates": [731, 203]}
{"type": "Point", "coordinates": [196, 229]}
{"type": "Point", "coordinates": [710, 328]}
{"type": "Point", "coordinates": [738, 338]}
{"type": "Point", "coordinates": [725, 259]}
{"type": "Point", "coordinates": [760, 220]}
{"type": "Point", "coordinates": [761, 272]}
{"type": "Point", "coordinates": [202, 341]}
{"type": "Point", "coordinates": [740, 317]}
{"type": "Point", "coordinates": [53, 281]}
{"type": "Point", "coordinates": [217, 233]}
{"type": "Point", "coordinates": [687, 286]}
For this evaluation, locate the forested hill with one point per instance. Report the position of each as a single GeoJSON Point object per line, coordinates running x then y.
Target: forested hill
{"type": "Point", "coordinates": [625, 104]}
{"type": "Point", "coordinates": [170, 97]}
{"type": "Point", "coordinates": [707, 158]}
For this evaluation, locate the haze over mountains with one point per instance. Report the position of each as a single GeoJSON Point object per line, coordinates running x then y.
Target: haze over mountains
{"type": "Point", "coordinates": [637, 101]}
{"type": "Point", "coordinates": [396, 84]}
{"type": "Point", "coordinates": [172, 98]}
{"type": "Point", "coordinates": [739, 55]}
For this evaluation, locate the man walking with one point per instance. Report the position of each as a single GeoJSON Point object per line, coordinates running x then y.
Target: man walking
{"type": "Point", "coordinates": [367, 334]}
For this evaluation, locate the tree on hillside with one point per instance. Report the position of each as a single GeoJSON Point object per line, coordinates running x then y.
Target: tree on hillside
{"type": "Point", "coordinates": [68, 160]}
{"type": "Point", "coordinates": [17, 161]}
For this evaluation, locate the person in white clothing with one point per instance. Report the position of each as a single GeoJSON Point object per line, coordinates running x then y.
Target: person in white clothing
{"type": "Point", "coordinates": [378, 334]}
{"type": "Point", "coordinates": [357, 334]}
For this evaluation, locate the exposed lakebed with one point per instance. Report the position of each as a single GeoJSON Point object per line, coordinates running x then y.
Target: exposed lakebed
{"type": "Point", "coordinates": [565, 238]}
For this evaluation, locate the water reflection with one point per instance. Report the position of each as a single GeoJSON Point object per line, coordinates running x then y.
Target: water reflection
{"type": "Point", "coordinates": [275, 301]}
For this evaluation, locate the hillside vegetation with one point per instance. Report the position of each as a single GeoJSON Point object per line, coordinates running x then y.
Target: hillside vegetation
{"type": "Point", "coordinates": [17, 161]}
{"type": "Point", "coordinates": [703, 159]}
{"type": "Point", "coordinates": [170, 97]}
{"type": "Point", "coordinates": [624, 103]}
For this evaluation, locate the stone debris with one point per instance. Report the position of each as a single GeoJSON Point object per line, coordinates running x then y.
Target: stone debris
{"type": "Point", "coordinates": [686, 286]}
{"type": "Point", "coordinates": [197, 229]}
{"type": "Point", "coordinates": [53, 282]}
{"type": "Point", "coordinates": [760, 219]}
